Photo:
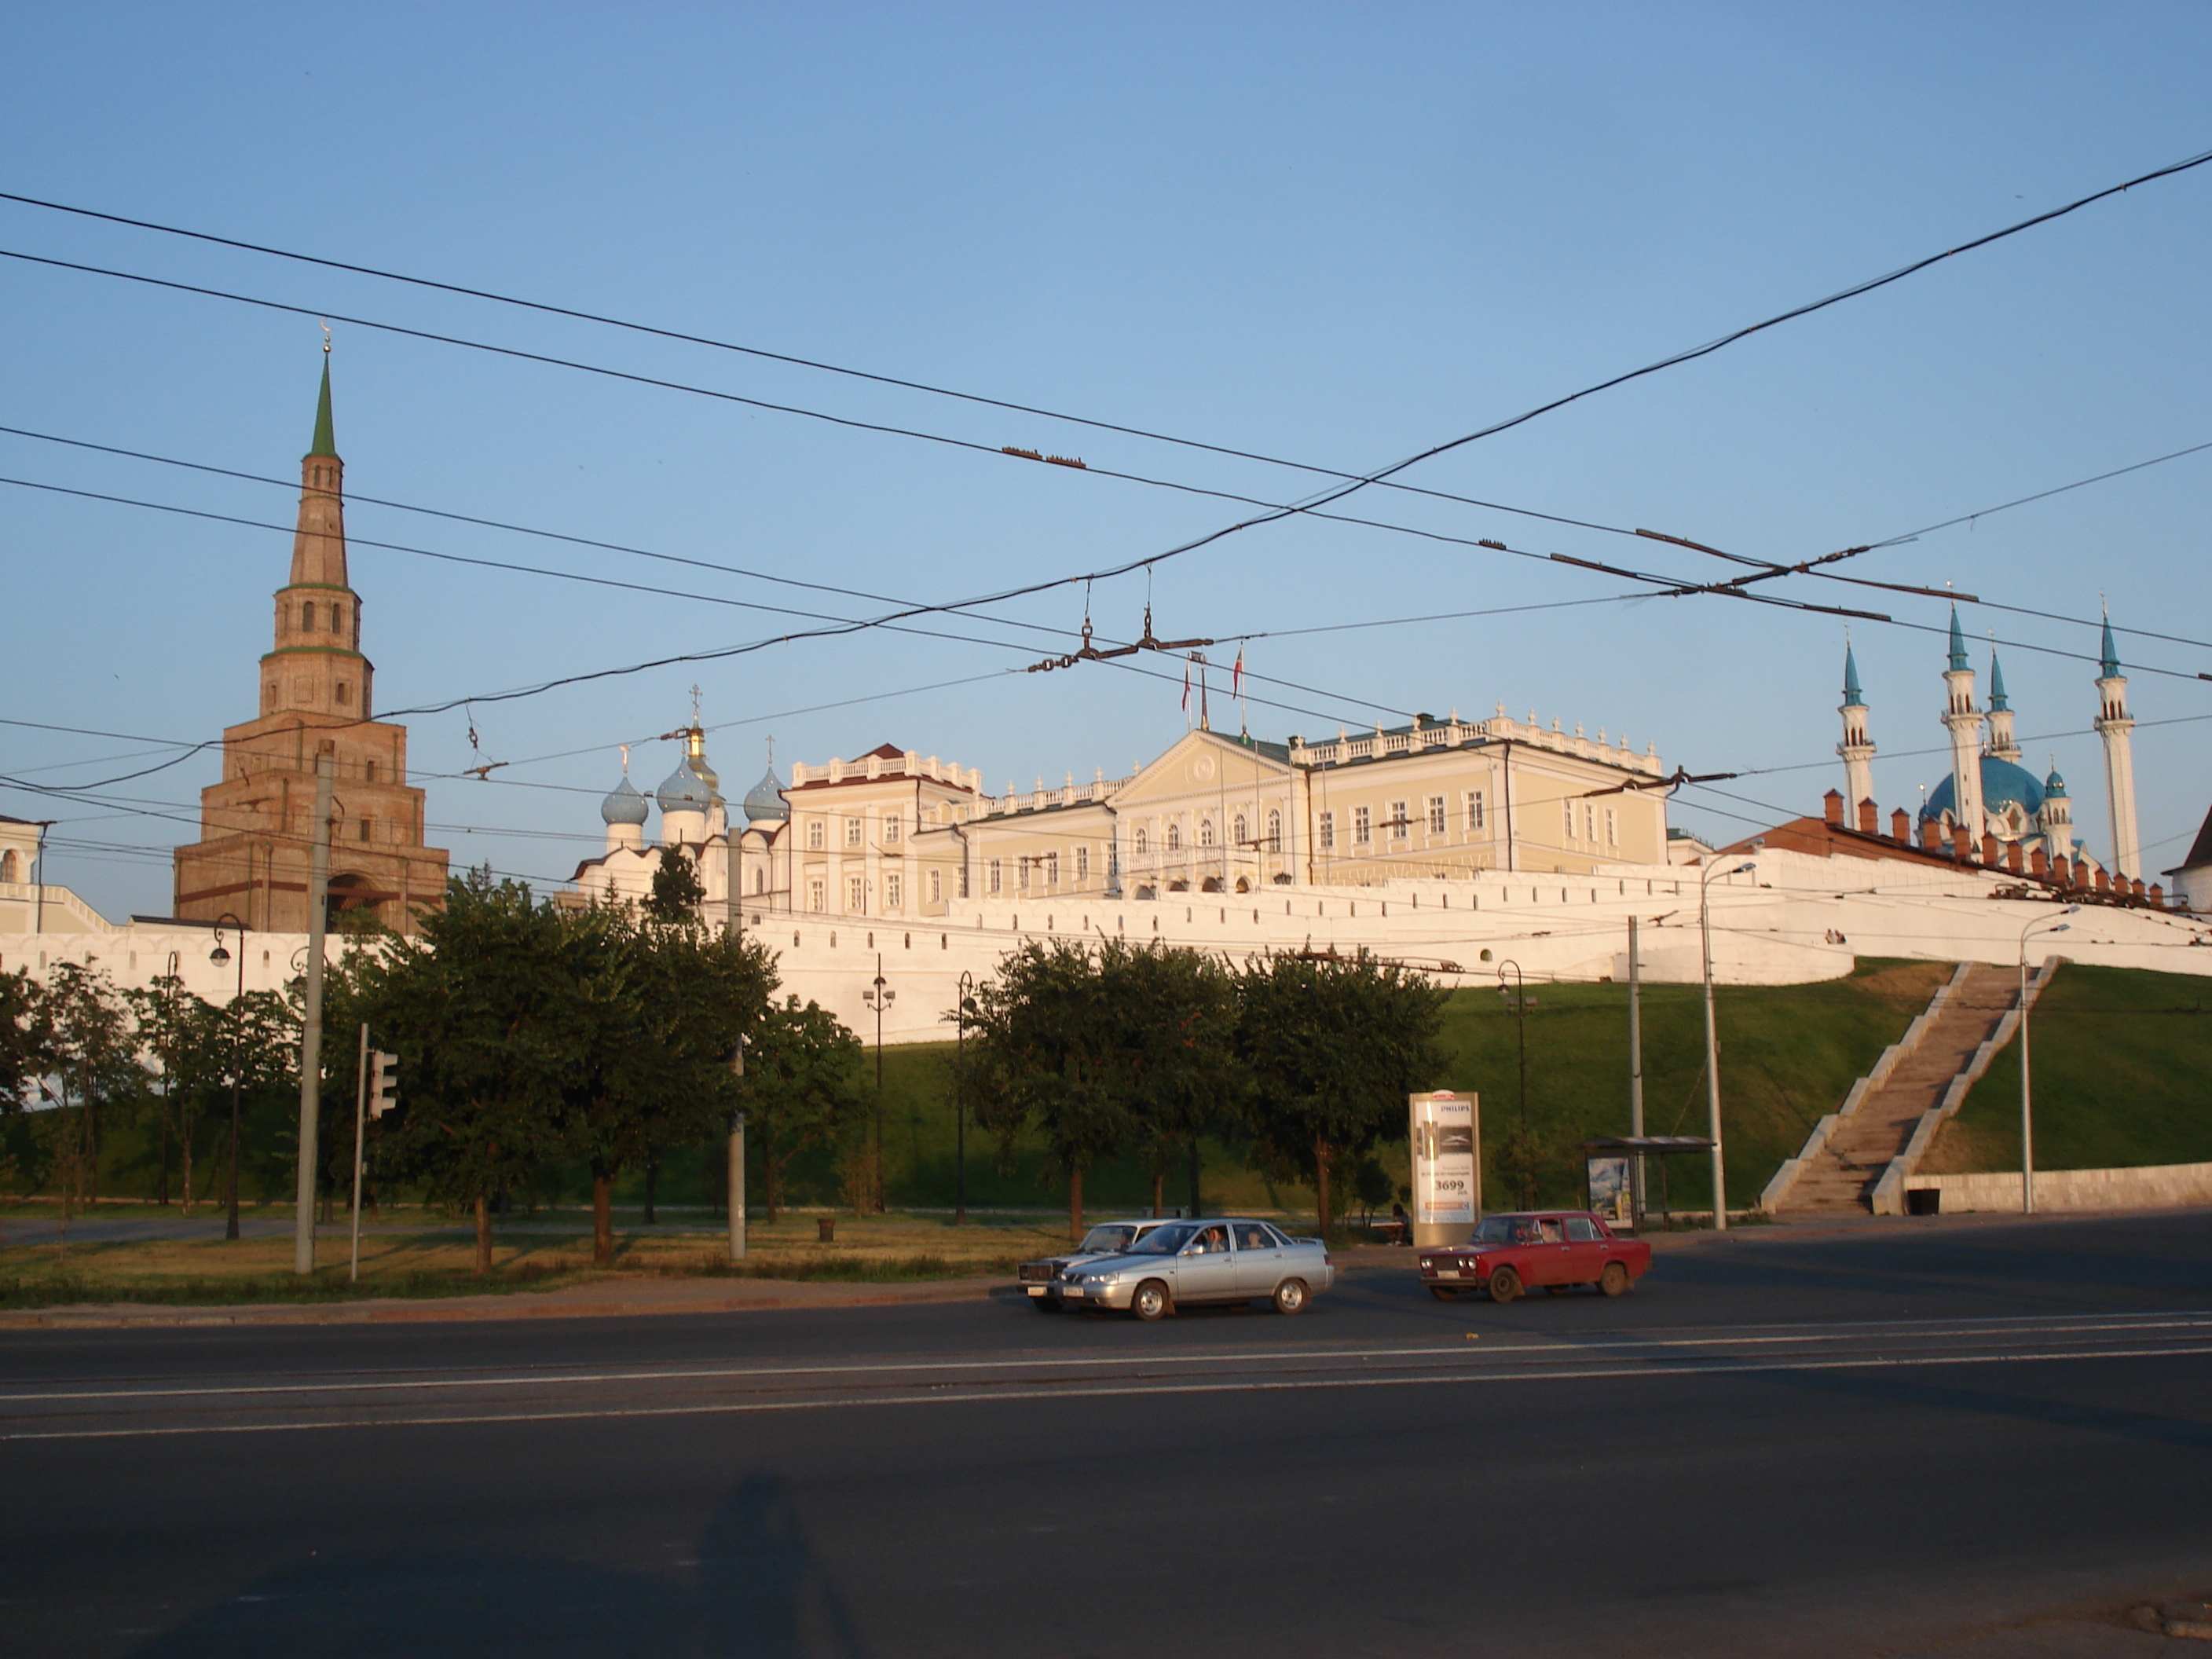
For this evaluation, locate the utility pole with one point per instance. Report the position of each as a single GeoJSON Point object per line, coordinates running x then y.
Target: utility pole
{"type": "Point", "coordinates": [1635, 1066]}
{"type": "Point", "coordinates": [737, 1164]}
{"type": "Point", "coordinates": [1713, 1047]}
{"type": "Point", "coordinates": [360, 1124]}
{"type": "Point", "coordinates": [311, 1023]}
{"type": "Point", "coordinates": [966, 993]}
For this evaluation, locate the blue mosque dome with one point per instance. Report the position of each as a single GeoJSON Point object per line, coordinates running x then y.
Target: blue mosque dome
{"type": "Point", "coordinates": [764, 802]}
{"type": "Point", "coordinates": [684, 791]}
{"type": "Point", "coordinates": [2003, 785]}
{"type": "Point", "coordinates": [623, 804]}
{"type": "Point", "coordinates": [2053, 785]}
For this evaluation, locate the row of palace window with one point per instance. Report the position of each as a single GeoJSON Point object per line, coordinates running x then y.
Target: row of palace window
{"type": "Point", "coordinates": [855, 833]}
{"type": "Point", "coordinates": [1398, 821]}
{"type": "Point", "coordinates": [1590, 820]}
{"type": "Point", "coordinates": [1240, 834]}
{"type": "Point", "coordinates": [856, 891]}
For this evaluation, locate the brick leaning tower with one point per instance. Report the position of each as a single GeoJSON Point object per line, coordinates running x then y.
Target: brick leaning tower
{"type": "Point", "coordinates": [256, 829]}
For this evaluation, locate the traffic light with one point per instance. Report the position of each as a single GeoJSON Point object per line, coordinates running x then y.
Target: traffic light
{"type": "Point", "coordinates": [381, 1082]}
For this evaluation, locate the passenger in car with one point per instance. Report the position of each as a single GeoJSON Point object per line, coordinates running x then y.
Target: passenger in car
{"type": "Point", "coordinates": [1211, 1241]}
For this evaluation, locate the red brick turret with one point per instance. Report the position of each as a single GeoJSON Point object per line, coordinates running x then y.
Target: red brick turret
{"type": "Point", "coordinates": [2104, 882]}
{"type": "Point", "coordinates": [1869, 818]}
{"type": "Point", "coordinates": [1832, 804]}
{"type": "Point", "coordinates": [1900, 826]}
{"type": "Point", "coordinates": [2038, 861]}
{"type": "Point", "coordinates": [1988, 849]}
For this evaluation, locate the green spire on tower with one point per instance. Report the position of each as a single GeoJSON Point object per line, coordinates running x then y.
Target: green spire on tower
{"type": "Point", "coordinates": [1996, 683]}
{"type": "Point", "coordinates": [2110, 663]}
{"type": "Point", "coordinates": [1958, 643]}
{"type": "Point", "coordinates": [1853, 697]}
{"type": "Point", "coordinates": [325, 443]}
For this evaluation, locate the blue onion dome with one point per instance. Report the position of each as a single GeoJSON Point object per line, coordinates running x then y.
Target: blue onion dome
{"type": "Point", "coordinates": [2053, 785]}
{"type": "Point", "coordinates": [2003, 785]}
{"type": "Point", "coordinates": [623, 804]}
{"type": "Point", "coordinates": [764, 801]}
{"type": "Point", "coordinates": [684, 791]}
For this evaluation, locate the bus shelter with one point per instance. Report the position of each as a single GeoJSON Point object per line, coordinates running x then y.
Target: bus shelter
{"type": "Point", "coordinates": [1617, 1173]}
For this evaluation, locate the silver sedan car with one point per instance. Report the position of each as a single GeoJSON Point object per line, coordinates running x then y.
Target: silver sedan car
{"type": "Point", "coordinates": [1183, 1263]}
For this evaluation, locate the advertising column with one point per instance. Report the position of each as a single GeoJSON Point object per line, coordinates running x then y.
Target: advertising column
{"type": "Point", "coordinates": [1445, 1134]}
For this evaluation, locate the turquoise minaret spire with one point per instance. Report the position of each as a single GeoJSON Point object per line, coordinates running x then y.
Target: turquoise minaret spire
{"type": "Point", "coordinates": [2110, 666]}
{"type": "Point", "coordinates": [1856, 748]}
{"type": "Point", "coordinates": [1958, 643]}
{"type": "Point", "coordinates": [2001, 739]}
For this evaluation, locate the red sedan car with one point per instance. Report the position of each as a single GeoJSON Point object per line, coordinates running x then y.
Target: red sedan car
{"type": "Point", "coordinates": [1553, 1249]}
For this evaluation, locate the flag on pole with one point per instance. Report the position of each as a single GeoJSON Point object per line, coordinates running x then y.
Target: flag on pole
{"type": "Point", "coordinates": [1186, 685]}
{"type": "Point", "coordinates": [1236, 674]}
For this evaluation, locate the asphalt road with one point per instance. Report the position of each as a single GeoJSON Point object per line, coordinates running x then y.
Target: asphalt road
{"type": "Point", "coordinates": [1780, 1443]}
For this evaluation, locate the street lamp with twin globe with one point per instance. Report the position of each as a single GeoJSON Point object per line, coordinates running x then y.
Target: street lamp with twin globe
{"type": "Point", "coordinates": [219, 955]}
{"type": "Point", "coordinates": [879, 996]}
{"type": "Point", "coordinates": [2049, 924]}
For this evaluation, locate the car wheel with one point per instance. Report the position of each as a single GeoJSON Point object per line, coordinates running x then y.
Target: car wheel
{"type": "Point", "coordinates": [1443, 1292]}
{"type": "Point", "coordinates": [1291, 1297]}
{"type": "Point", "coordinates": [1504, 1284]}
{"type": "Point", "coordinates": [1045, 1303]}
{"type": "Point", "coordinates": [1152, 1301]}
{"type": "Point", "coordinates": [1614, 1279]}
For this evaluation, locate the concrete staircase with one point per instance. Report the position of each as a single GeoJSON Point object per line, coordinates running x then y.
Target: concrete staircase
{"type": "Point", "coordinates": [1854, 1149]}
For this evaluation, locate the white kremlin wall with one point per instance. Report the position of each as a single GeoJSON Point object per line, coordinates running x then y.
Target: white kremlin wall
{"type": "Point", "coordinates": [1794, 919]}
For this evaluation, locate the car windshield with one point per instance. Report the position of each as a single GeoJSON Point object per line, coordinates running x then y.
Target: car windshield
{"type": "Point", "coordinates": [1165, 1241]}
{"type": "Point", "coordinates": [1106, 1240]}
{"type": "Point", "coordinates": [1505, 1229]}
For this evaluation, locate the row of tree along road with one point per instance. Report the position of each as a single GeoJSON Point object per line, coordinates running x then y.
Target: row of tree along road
{"type": "Point", "coordinates": [531, 1033]}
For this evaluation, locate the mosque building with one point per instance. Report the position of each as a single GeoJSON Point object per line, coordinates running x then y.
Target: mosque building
{"type": "Point", "coordinates": [1991, 809]}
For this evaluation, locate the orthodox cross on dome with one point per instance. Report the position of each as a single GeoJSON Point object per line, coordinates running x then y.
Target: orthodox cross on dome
{"type": "Point", "coordinates": [694, 705]}
{"type": "Point", "coordinates": [625, 755]}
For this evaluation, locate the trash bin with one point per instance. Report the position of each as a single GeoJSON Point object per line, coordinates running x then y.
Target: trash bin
{"type": "Point", "coordinates": [826, 1229]}
{"type": "Point", "coordinates": [1923, 1201]}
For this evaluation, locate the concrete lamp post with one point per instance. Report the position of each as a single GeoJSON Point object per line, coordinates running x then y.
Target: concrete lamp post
{"type": "Point", "coordinates": [2048, 925]}
{"type": "Point", "coordinates": [219, 955]}
{"type": "Point", "coordinates": [1712, 1042]}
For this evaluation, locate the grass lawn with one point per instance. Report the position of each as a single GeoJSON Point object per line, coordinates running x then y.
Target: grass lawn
{"type": "Point", "coordinates": [1788, 1055]}
{"type": "Point", "coordinates": [529, 1255]}
{"type": "Point", "coordinates": [2122, 1068]}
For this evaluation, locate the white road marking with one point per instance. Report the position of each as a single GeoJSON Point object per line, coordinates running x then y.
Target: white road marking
{"type": "Point", "coordinates": [948, 1396]}
{"type": "Point", "coordinates": [2039, 1326]}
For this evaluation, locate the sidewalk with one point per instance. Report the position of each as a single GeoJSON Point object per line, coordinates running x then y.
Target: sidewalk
{"type": "Point", "coordinates": [600, 1299]}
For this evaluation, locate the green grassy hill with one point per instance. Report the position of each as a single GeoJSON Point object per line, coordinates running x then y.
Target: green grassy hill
{"type": "Point", "coordinates": [2122, 1064]}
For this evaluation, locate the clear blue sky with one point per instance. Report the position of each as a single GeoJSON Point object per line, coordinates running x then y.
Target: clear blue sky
{"type": "Point", "coordinates": [1333, 234]}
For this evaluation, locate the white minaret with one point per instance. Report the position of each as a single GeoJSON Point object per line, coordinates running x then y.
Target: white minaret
{"type": "Point", "coordinates": [1856, 748]}
{"type": "Point", "coordinates": [1966, 724]}
{"type": "Point", "coordinates": [2113, 726]}
{"type": "Point", "coordinates": [2001, 739]}
{"type": "Point", "coordinates": [2057, 815]}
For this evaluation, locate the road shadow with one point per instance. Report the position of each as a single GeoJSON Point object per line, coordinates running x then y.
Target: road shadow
{"type": "Point", "coordinates": [754, 1586]}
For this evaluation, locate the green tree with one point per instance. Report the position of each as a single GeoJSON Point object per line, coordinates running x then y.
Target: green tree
{"type": "Point", "coordinates": [27, 1037]}
{"type": "Point", "coordinates": [95, 1065]}
{"type": "Point", "coordinates": [488, 1009]}
{"type": "Point", "coordinates": [1333, 1045]}
{"type": "Point", "coordinates": [804, 1087]}
{"type": "Point", "coordinates": [171, 1024]}
{"type": "Point", "coordinates": [676, 893]}
{"type": "Point", "coordinates": [1100, 1048]}
{"type": "Point", "coordinates": [1171, 1018]}
{"type": "Point", "coordinates": [662, 1002]}
{"type": "Point", "coordinates": [27, 1053]}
